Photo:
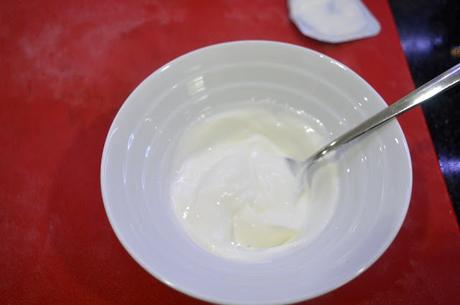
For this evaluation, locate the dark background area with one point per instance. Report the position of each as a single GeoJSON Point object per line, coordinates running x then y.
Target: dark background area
{"type": "Point", "coordinates": [430, 37]}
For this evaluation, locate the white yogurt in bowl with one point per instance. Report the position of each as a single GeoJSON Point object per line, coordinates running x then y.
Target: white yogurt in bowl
{"type": "Point", "coordinates": [157, 167]}
{"type": "Point", "coordinates": [233, 190]}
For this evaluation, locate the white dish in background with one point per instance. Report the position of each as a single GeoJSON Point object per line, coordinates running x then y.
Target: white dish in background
{"type": "Point", "coordinates": [333, 21]}
{"type": "Point", "coordinates": [375, 176]}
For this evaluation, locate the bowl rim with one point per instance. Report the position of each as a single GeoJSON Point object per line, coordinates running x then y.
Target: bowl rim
{"type": "Point", "coordinates": [189, 292]}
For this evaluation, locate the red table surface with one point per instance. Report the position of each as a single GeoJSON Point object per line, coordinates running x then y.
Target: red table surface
{"type": "Point", "coordinates": [65, 69]}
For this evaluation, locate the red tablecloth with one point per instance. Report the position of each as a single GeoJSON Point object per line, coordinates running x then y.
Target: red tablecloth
{"type": "Point", "coordinates": [65, 69]}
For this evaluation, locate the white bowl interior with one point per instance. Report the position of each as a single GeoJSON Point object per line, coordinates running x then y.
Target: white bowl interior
{"type": "Point", "coordinates": [374, 184]}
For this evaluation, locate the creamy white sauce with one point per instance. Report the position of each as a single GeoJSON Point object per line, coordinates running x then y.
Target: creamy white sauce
{"type": "Point", "coordinates": [233, 191]}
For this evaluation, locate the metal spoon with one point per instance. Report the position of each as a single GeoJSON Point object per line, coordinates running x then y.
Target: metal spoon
{"type": "Point", "coordinates": [437, 85]}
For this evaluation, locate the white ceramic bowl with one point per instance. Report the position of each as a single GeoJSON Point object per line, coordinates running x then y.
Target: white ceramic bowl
{"type": "Point", "coordinates": [375, 172]}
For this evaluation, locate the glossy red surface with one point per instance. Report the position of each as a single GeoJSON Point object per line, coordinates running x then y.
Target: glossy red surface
{"type": "Point", "coordinates": [65, 69]}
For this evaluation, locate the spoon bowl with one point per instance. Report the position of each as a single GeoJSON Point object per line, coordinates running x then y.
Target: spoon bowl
{"type": "Point", "coordinates": [374, 178]}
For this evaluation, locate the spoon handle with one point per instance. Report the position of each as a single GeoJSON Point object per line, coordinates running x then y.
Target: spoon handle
{"type": "Point", "coordinates": [435, 86]}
